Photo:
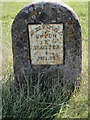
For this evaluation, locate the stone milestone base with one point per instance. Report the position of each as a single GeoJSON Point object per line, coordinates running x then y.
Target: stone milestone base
{"type": "Point", "coordinates": [64, 73]}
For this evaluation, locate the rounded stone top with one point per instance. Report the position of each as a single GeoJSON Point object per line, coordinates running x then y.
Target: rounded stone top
{"type": "Point", "coordinates": [55, 2]}
{"type": "Point", "coordinates": [46, 11]}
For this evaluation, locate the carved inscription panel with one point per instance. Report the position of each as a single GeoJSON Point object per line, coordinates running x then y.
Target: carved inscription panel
{"type": "Point", "coordinates": [46, 44]}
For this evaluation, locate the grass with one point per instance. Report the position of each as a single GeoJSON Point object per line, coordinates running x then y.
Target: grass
{"type": "Point", "coordinates": [24, 103]}
{"type": "Point", "coordinates": [32, 102]}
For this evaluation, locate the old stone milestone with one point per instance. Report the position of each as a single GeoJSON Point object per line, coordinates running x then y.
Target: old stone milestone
{"type": "Point", "coordinates": [46, 42]}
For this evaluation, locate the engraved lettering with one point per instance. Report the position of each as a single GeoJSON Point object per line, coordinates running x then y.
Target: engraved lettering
{"type": "Point", "coordinates": [46, 43]}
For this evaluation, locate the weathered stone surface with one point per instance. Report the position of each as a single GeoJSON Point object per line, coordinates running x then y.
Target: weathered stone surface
{"type": "Point", "coordinates": [47, 13]}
